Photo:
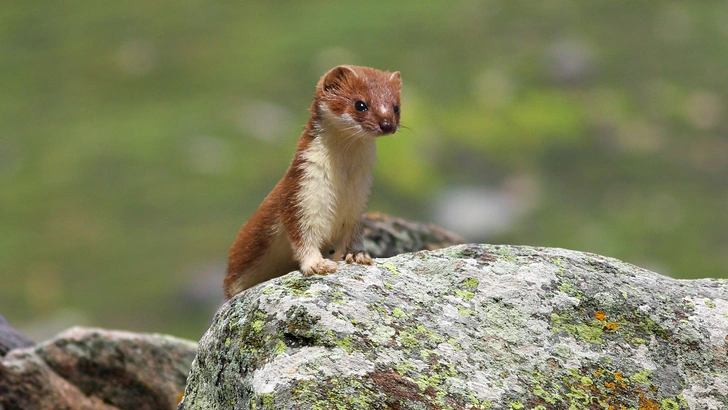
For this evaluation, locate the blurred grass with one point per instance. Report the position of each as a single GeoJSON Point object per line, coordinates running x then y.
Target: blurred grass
{"type": "Point", "coordinates": [137, 137]}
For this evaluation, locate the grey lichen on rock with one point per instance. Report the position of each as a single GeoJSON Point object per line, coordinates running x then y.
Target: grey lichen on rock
{"type": "Point", "coordinates": [469, 327]}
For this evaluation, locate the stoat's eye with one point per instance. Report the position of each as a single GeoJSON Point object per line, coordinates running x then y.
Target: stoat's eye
{"type": "Point", "coordinates": [360, 106]}
{"type": "Point", "coordinates": [396, 109]}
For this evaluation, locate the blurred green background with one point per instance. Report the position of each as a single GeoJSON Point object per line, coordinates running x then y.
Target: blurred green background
{"type": "Point", "coordinates": [136, 137]}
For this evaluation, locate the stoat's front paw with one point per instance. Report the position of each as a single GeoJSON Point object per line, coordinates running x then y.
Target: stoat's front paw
{"type": "Point", "coordinates": [319, 267]}
{"type": "Point", "coordinates": [360, 257]}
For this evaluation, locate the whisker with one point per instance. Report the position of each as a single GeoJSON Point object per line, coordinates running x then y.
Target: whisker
{"type": "Point", "coordinates": [352, 139]}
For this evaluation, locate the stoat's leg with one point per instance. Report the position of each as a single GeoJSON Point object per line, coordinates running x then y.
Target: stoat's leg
{"type": "Point", "coordinates": [307, 233]}
{"type": "Point", "coordinates": [355, 252]}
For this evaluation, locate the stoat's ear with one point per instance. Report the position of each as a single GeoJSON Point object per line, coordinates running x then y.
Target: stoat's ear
{"type": "Point", "coordinates": [337, 77]}
{"type": "Point", "coordinates": [396, 78]}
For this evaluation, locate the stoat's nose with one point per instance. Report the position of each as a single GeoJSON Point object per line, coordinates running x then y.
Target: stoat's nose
{"type": "Point", "coordinates": [386, 126]}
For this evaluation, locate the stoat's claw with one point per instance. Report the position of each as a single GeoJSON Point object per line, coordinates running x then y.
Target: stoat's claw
{"type": "Point", "coordinates": [360, 257]}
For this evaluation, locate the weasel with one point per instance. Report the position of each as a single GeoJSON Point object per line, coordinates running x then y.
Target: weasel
{"type": "Point", "coordinates": [315, 210]}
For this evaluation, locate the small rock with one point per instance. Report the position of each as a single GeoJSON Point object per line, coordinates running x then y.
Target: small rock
{"type": "Point", "coordinates": [86, 368]}
{"type": "Point", "coordinates": [10, 337]}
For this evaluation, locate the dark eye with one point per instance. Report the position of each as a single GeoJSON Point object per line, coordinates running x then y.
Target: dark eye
{"type": "Point", "coordinates": [360, 106]}
{"type": "Point", "coordinates": [396, 109]}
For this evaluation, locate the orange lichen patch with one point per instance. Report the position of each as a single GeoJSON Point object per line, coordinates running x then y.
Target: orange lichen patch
{"type": "Point", "coordinates": [600, 315]}
{"type": "Point", "coordinates": [180, 396]}
{"type": "Point", "coordinates": [610, 385]}
{"type": "Point", "coordinates": [611, 325]}
{"type": "Point", "coordinates": [598, 372]}
{"type": "Point", "coordinates": [647, 404]}
{"type": "Point", "coordinates": [619, 380]}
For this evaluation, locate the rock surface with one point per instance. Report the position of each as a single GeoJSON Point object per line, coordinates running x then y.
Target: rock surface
{"type": "Point", "coordinates": [386, 236]}
{"type": "Point", "coordinates": [469, 327]}
{"type": "Point", "coordinates": [96, 369]}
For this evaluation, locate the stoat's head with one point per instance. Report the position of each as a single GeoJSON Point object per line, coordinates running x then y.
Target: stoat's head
{"type": "Point", "coordinates": [361, 101]}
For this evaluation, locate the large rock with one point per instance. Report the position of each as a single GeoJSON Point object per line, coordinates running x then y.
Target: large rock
{"type": "Point", "coordinates": [469, 327]}
{"type": "Point", "coordinates": [96, 369]}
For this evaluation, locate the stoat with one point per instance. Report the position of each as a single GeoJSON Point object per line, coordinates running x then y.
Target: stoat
{"type": "Point", "coordinates": [315, 210]}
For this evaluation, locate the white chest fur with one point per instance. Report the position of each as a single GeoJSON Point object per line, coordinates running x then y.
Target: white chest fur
{"type": "Point", "coordinates": [335, 186]}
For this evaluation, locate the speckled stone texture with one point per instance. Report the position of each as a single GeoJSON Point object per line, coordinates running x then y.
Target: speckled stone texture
{"type": "Point", "coordinates": [85, 369]}
{"type": "Point", "coordinates": [469, 327]}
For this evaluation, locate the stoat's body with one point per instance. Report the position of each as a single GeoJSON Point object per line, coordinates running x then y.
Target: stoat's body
{"type": "Point", "coordinates": [315, 210]}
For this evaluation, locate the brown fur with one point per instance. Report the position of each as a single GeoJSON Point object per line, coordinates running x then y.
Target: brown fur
{"type": "Point", "coordinates": [283, 213]}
